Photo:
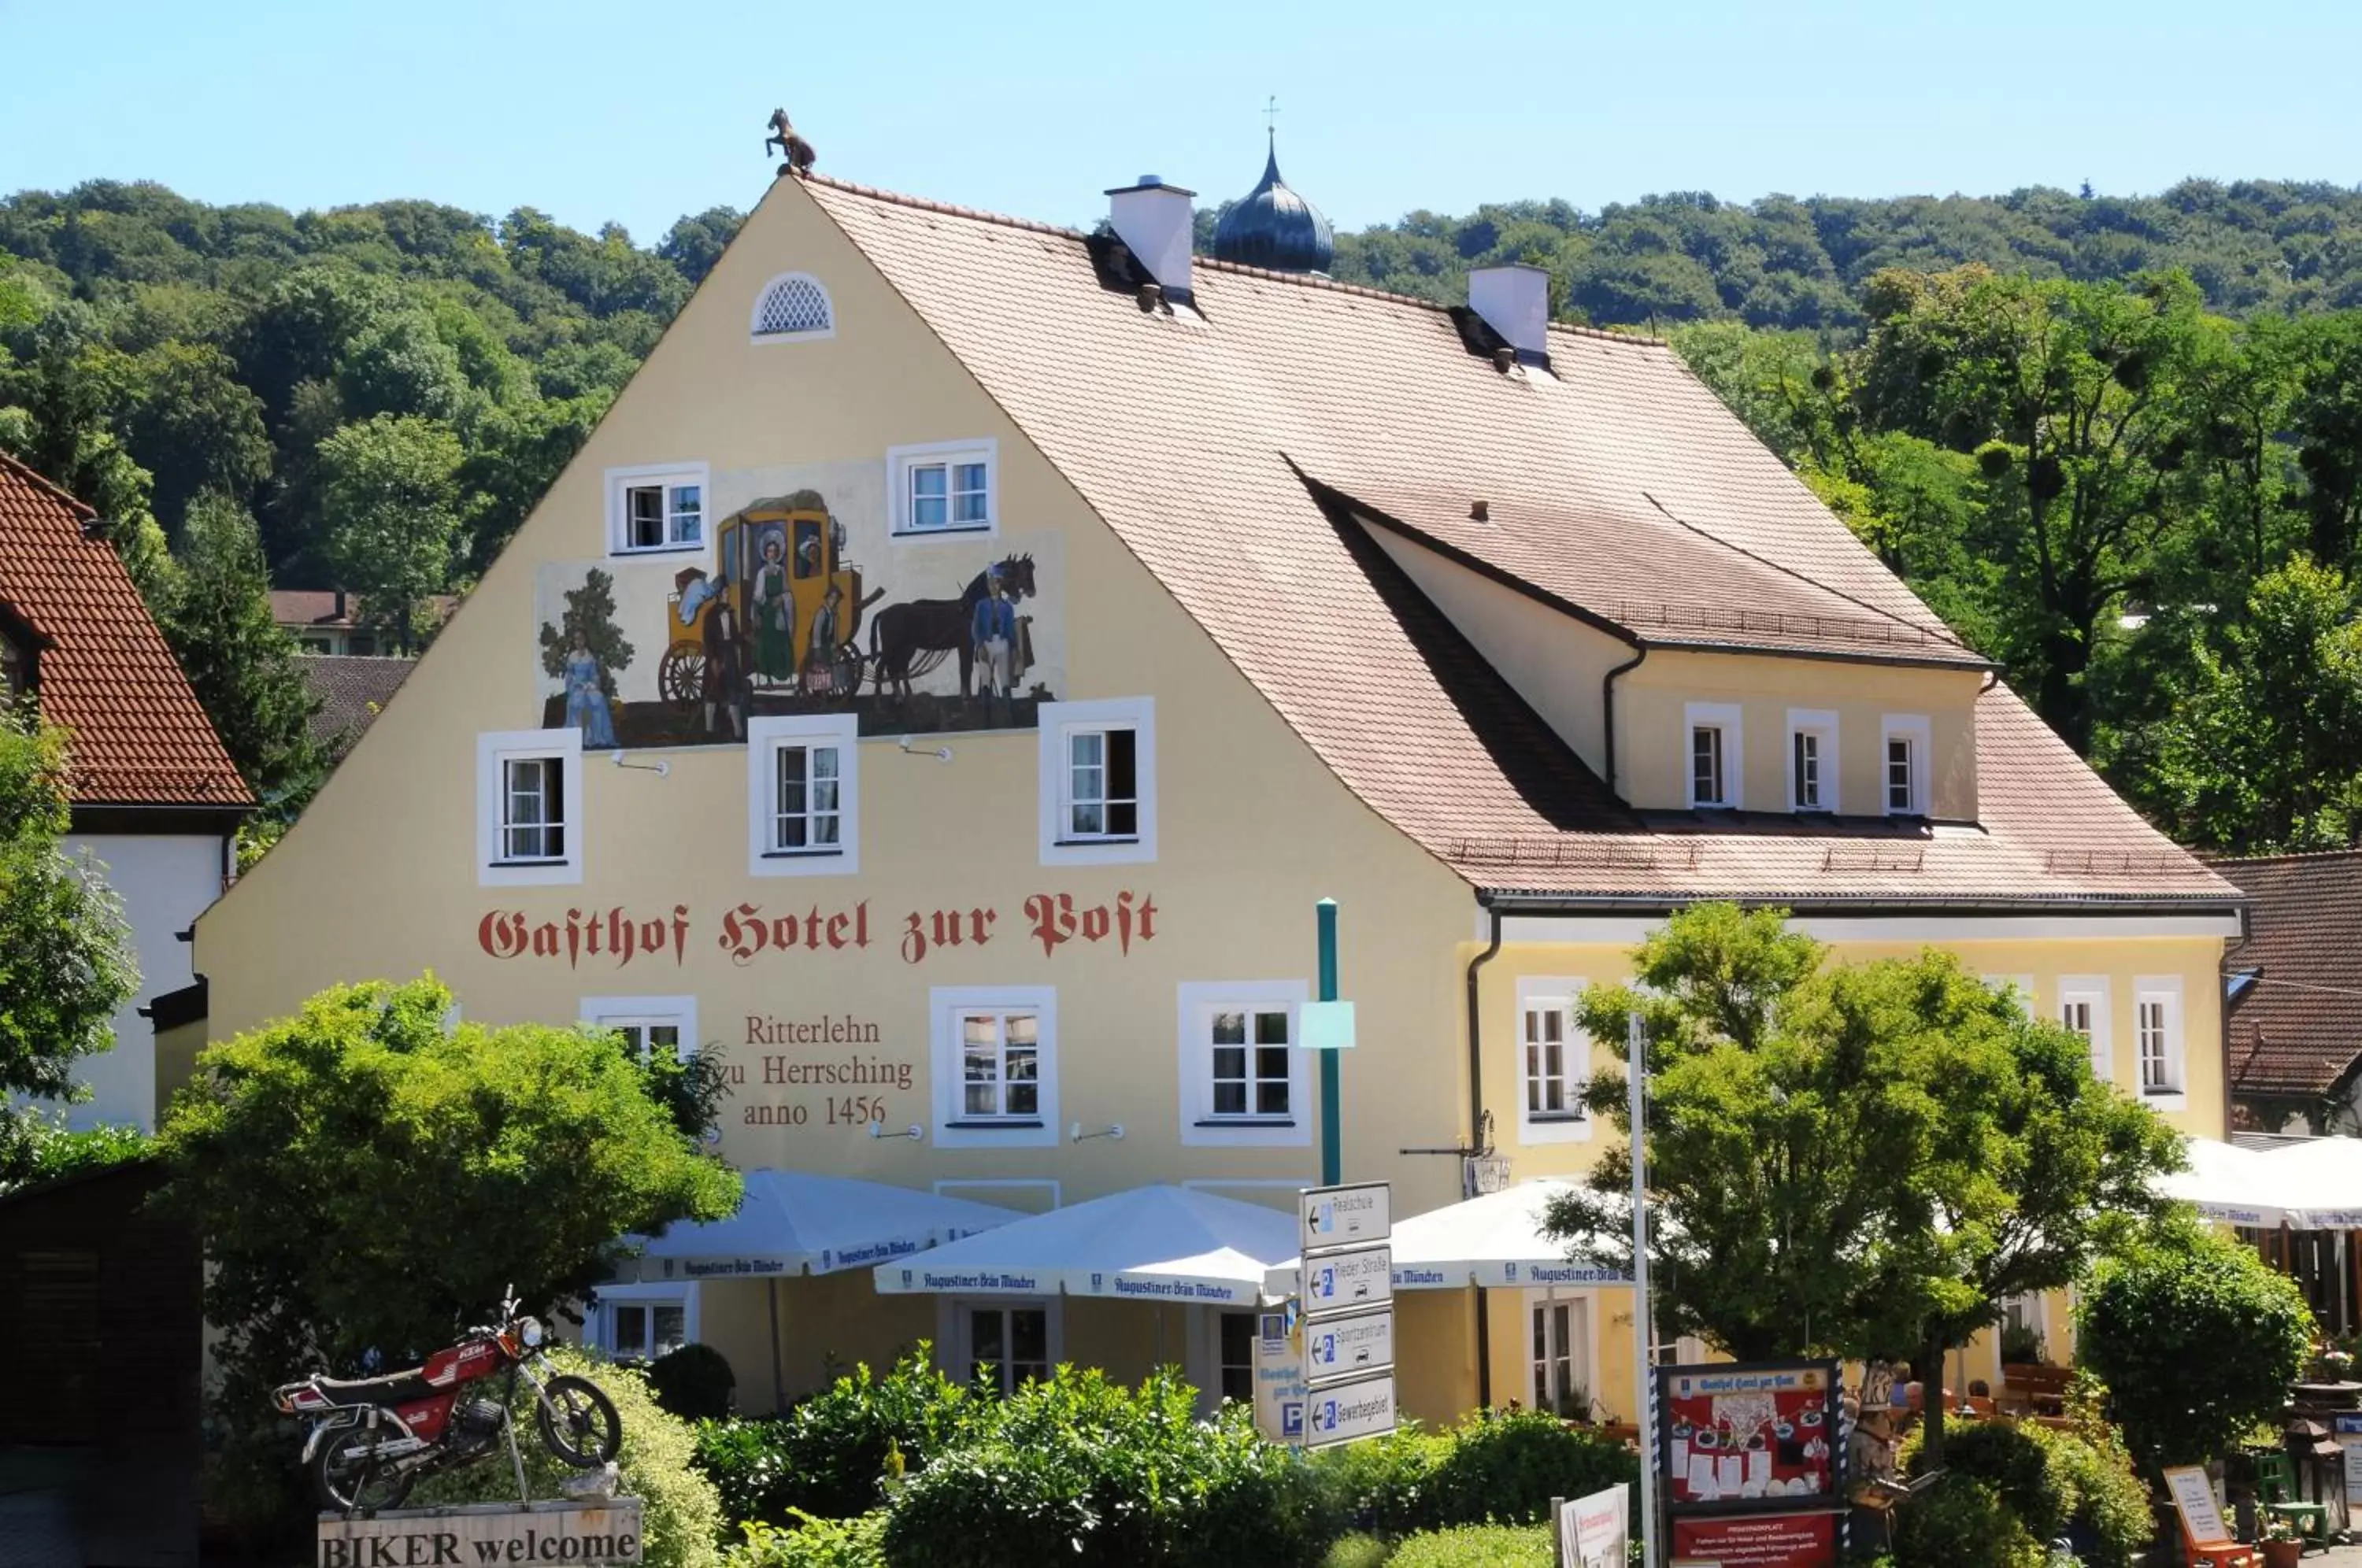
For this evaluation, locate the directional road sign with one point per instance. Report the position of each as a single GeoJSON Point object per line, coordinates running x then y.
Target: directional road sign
{"type": "Point", "coordinates": [1349, 1346]}
{"type": "Point", "coordinates": [1348, 1281]}
{"type": "Point", "coordinates": [1360, 1407]}
{"type": "Point", "coordinates": [1345, 1216]}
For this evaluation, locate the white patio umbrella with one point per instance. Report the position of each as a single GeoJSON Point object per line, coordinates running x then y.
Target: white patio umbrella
{"type": "Point", "coordinates": [796, 1222]}
{"type": "Point", "coordinates": [2318, 1182]}
{"type": "Point", "coordinates": [1495, 1239]}
{"type": "Point", "coordinates": [2229, 1183]}
{"type": "Point", "coordinates": [1149, 1243]}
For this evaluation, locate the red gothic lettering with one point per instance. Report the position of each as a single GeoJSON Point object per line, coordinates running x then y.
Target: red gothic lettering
{"type": "Point", "coordinates": [545, 940]}
{"type": "Point", "coordinates": [1053, 915]}
{"type": "Point", "coordinates": [501, 933]}
{"type": "Point", "coordinates": [1095, 923]}
{"type": "Point", "coordinates": [914, 938]}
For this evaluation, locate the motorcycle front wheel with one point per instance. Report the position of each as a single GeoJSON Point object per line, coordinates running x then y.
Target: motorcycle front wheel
{"type": "Point", "coordinates": [579, 1423]}
{"type": "Point", "coordinates": [352, 1479]}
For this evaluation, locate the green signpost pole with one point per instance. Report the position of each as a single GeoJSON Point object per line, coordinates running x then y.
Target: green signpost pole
{"type": "Point", "coordinates": [1333, 1133]}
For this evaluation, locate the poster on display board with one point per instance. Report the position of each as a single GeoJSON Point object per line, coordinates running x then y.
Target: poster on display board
{"type": "Point", "coordinates": [1748, 1438]}
{"type": "Point", "coordinates": [2349, 1438]}
{"type": "Point", "coordinates": [1595, 1531]}
{"type": "Point", "coordinates": [1759, 1541]}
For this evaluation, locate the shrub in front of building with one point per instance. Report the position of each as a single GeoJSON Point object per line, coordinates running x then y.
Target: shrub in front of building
{"type": "Point", "coordinates": [2077, 1485]}
{"type": "Point", "coordinates": [2197, 1340]}
{"type": "Point", "coordinates": [1503, 1467]}
{"type": "Point", "coordinates": [693, 1381]}
{"type": "Point", "coordinates": [1964, 1522]}
{"type": "Point", "coordinates": [810, 1542]}
{"type": "Point", "coordinates": [1084, 1471]}
{"type": "Point", "coordinates": [1477, 1546]}
{"type": "Point", "coordinates": [829, 1456]}
{"type": "Point", "coordinates": [681, 1520]}
{"type": "Point", "coordinates": [1386, 1486]}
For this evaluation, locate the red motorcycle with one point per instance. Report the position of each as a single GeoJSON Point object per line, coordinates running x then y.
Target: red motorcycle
{"type": "Point", "coordinates": [372, 1439]}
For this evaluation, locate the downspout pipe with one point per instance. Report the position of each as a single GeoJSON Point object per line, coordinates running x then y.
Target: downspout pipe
{"type": "Point", "coordinates": [1607, 714]}
{"type": "Point", "coordinates": [1475, 1137]}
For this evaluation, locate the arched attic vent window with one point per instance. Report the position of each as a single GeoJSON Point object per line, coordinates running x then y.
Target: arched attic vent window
{"type": "Point", "coordinates": [793, 308]}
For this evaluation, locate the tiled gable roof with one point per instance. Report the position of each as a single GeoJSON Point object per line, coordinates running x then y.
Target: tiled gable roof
{"type": "Point", "coordinates": [1193, 435]}
{"type": "Point", "coordinates": [104, 672]}
{"type": "Point", "coordinates": [2296, 1028]}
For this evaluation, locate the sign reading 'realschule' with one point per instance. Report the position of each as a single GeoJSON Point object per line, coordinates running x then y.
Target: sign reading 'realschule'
{"type": "Point", "coordinates": [601, 1534]}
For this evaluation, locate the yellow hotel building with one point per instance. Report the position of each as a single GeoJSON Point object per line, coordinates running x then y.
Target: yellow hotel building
{"type": "Point", "coordinates": [945, 681]}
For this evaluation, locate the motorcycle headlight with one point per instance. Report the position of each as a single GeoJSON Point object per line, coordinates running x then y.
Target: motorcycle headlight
{"type": "Point", "coordinates": [529, 1330]}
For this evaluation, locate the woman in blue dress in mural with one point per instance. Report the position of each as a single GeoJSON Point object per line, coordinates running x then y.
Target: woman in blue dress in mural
{"type": "Point", "coordinates": [586, 697]}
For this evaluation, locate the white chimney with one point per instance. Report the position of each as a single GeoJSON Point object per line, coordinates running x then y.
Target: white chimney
{"type": "Point", "coordinates": [1515, 302]}
{"type": "Point", "coordinates": [1157, 223]}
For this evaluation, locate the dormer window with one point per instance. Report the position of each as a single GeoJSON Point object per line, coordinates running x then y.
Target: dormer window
{"type": "Point", "coordinates": [1903, 747]}
{"type": "Point", "coordinates": [1715, 757]}
{"type": "Point", "coordinates": [1812, 760]}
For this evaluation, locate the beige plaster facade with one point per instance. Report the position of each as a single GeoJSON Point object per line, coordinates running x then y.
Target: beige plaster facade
{"type": "Point", "coordinates": [825, 992]}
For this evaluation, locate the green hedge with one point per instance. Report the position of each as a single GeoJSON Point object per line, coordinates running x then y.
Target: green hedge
{"type": "Point", "coordinates": [827, 1457]}
{"type": "Point", "coordinates": [1477, 1546]}
{"type": "Point", "coordinates": [2048, 1483]}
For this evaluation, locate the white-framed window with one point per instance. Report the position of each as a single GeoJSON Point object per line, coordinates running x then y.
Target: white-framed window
{"type": "Point", "coordinates": [2083, 1009]}
{"type": "Point", "coordinates": [1004, 1345]}
{"type": "Point", "coordinates": [945, 486]}
{"type": "Point", "coordinates": [1715, 761]}
{"type": "Point", "coordinates": [1903, 752]}
{"type": "Point", "coordinates": [2156, 1041]}
{"type": "Point", "coordinates": [1812, 760]}
{"type": "Point", "coordinates": [1244, 1079]}
{"type": "Point", "coordinates": [1098, 781]}
{"type": "Point", "coordinates": [995, 1052]}
{"type": "Point", "coordinates": [1554, 1062]}
{"type": "Point", "coordinates": [642, 1321]}
{"type": "Point", "coordinates": [793, 308]}
{"type": "Point", "coordinates": [657, 508]}
{"type": "Point", "coordinates": [803, 794]}
{"type": "Point", "coordinates": [1559, 1339]}
{"type": "Point", "coordinates": [529, 808]}
{"type": "Point", "coordinates": [649, 1024]}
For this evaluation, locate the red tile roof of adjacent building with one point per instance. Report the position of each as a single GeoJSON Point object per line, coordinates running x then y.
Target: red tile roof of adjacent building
{"type": "Point", "coordinates": [328, 607]}
{"type": "Point", "coordinates": [102, 668]}
{"type": "Point", "coordinates": [1203, 437]}
{"type": "Point", "coordinates": [2296, 1027]}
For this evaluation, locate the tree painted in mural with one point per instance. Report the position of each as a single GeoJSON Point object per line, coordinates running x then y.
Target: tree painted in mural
{"type": "Point", "coordinates": [584, 650]}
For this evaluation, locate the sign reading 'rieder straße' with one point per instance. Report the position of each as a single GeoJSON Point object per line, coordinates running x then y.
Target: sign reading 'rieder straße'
{"type": "Point", "coordinates": [594, 1534]}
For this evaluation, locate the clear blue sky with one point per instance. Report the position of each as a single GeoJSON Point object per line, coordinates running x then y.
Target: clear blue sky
{"type": "Point", "coordinates": [598, 110]}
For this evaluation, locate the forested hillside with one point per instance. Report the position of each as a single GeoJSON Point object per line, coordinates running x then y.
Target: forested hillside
{"type": "Point", "coordinates": [2118, 442]}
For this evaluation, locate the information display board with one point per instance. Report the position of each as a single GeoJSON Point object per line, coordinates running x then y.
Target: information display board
{"type": "Point", "coordinates": [1749, 1438]}
{"type": "Point", "coordinates": [1762, 1541]}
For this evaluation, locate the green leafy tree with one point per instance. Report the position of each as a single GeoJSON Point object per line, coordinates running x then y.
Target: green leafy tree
{"type": "Point", "coordinates": [66, 959]}
{"type": "Point", "coordinates": [2262, 748]}
{"type": "Point", "coordinates": [2069, 395]}
{"type": "Point", "coordinates": [37, 1146]}
{"type": "Point", "coordinates": [590, 613]}
{"type": "Point", "coordinates": [1861, 1159]}
{"type": "Point", "coordinates": [390, 490]}
{"type": "Point", "coordinates": [446, 1164]}
{"type": "Point", "coordinates": [2197, 1340]}
{"type": "Point", "coordinates": [242, 664]}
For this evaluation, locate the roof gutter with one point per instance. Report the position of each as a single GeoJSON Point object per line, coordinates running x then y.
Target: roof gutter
{"type": "Point", "coordinates": [1544, 903]}
{"type": "Point", "coordinates": [1607, 718]}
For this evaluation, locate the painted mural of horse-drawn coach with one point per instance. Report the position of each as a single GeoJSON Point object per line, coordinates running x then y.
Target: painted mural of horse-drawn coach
{"type": "Point", "coordinates": [781, 613]}
{"type": "Point", "coordinates": [777, 621]}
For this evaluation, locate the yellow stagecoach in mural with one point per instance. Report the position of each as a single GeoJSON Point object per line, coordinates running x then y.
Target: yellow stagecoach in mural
{"type": "Point", "coordinates": [779, 614]}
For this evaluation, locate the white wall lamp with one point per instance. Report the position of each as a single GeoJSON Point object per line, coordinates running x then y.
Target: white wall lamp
{"type": "Point", "coordinates": [913, 1131]}
{"type": "Point", "coordinates": [912, 749]}
{"type": "Point", "coordinates": [1077, 1135]}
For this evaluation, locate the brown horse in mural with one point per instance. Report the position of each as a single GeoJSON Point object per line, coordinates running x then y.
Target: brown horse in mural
{"type": "Point", "coordinates": [901, 633]}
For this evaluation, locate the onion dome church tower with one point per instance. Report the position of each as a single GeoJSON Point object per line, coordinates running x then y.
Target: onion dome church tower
{"type": "Point", "coordinates": [1275, 228]}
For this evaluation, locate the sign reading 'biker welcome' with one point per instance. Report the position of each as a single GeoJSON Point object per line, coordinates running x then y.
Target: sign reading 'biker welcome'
{"type": "Point", "coordinates": [601, 1534]}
